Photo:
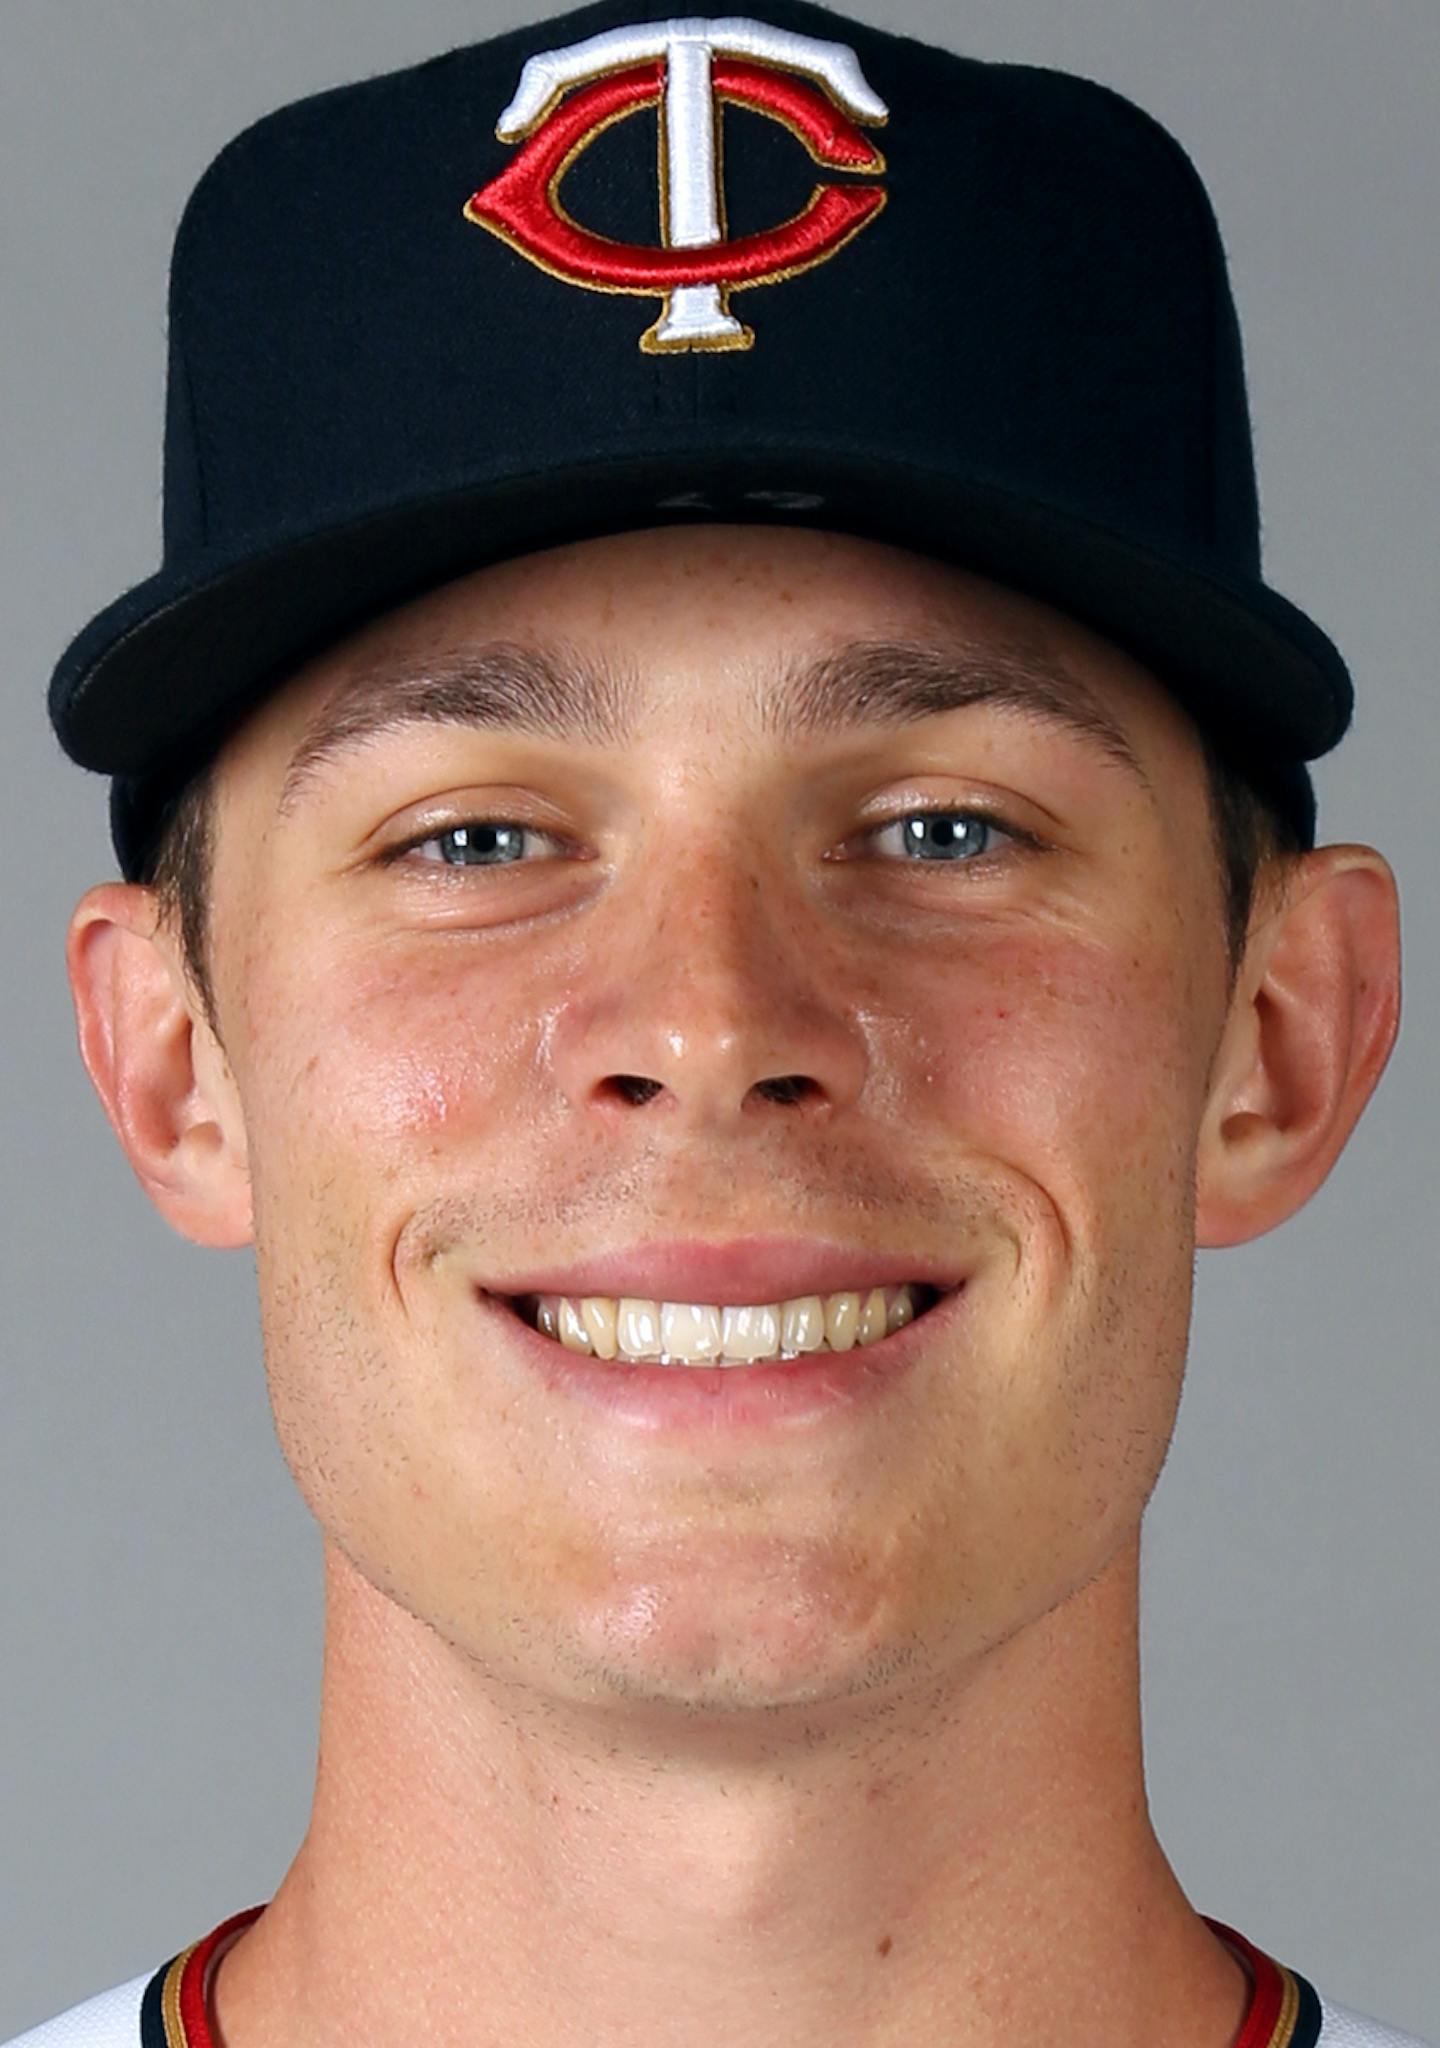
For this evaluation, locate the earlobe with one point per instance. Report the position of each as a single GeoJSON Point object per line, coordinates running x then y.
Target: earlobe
{"type": "Point", "coordinates": [154, 1063]}
{"type": "Point", "coordinates": [1310, 1029]}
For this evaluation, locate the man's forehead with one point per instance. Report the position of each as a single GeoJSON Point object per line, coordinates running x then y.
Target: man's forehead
{"type": "Point", "coordinates": [579, 674]}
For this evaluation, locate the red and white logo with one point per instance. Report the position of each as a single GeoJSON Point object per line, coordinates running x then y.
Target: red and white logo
{"type": "Point", "coordinates": [684, 67]}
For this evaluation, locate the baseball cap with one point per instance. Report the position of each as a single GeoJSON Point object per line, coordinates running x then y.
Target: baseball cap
{"type": "Point", "coordinates": [619, 270]}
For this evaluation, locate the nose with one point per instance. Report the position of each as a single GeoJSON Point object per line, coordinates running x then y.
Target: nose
{"type": "Point", "coordinates": [707, 999]}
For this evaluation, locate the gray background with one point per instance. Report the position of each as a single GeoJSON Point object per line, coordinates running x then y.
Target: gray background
{"type": "Point", "coordinates": [159, 1601]}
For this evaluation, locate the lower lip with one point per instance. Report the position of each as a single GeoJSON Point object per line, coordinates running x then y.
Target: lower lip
{"type": "Point", "coordinates": [688, 1397]}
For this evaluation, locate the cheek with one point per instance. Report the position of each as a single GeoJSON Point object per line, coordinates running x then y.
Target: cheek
{"type": "Point", "coordinates": [373, 1088]}
{"type": "Point", "coordinates": [388, 1057]}
{"type": "Point", "coordinates": [361, 1076]}
{"type": "Point", "coordinates": [1067, 1076]}
{"type": "Point", "coordinates": [1062, 1054]}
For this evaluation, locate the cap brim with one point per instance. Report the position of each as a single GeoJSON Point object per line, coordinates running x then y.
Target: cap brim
{"type": "Point", "coordinates": [152, 685]}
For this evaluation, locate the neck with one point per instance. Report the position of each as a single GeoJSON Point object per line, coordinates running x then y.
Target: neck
{"type": "Point", "coordinates": [972, 1867]}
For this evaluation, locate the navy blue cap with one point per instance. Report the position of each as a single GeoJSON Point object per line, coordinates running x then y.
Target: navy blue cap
{"type": "Point", "coordinates": [469, 309]}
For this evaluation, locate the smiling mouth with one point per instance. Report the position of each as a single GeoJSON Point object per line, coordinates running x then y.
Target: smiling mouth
{"type": "Point", "coordinates": [629, 1330]}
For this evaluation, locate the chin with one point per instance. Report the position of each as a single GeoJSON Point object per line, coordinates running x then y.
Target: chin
{"type": "Point", "coordinates": [790, 1633]}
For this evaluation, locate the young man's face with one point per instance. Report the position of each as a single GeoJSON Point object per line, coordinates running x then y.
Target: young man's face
{"type": "Point", "coordinates": [998, 1062]}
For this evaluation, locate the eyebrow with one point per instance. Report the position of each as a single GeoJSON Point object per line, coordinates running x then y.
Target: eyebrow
{"type": "Point", "coordinates": [577, 700]}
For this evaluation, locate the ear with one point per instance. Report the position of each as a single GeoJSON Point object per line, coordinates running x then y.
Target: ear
{"type": "Point", "coordinates": [157, 1066]}
{"type": "Point", "coordinates": [1310, 1028]}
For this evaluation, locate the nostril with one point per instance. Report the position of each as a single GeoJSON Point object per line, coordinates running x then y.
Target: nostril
{"type": "Point", "coordinates": [635, 1087]}
{"type": "Point", "coordinates": [786, 1088]}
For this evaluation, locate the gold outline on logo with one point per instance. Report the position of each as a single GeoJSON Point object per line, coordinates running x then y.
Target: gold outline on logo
{"type": "Point", "coordinates": [723, 97]}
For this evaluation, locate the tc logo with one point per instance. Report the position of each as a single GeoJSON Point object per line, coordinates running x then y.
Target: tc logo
{"type": "Point", "coordinates": [686, 65]}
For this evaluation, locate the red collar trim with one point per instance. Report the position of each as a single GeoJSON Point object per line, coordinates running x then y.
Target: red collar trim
{"type": "Point", "coordinates": [1270, 2017]}
{"type": "Point", "coordinates": [183, 1994]}
{"type": "Point", "coordinates": [1274, 2008]}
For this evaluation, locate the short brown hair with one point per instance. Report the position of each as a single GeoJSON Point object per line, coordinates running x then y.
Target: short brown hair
{"type": "Point", "coordinates": [1251, 838]}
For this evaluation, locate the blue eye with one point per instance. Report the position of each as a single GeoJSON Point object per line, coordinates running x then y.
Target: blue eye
{"type": "Point", "coordinates": [478, 843]}
{"type": "Point", "coordinates": [955, 838]}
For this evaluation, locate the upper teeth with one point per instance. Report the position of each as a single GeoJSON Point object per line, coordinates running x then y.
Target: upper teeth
{"type": "Point", "coordinates": [699, 1333]}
